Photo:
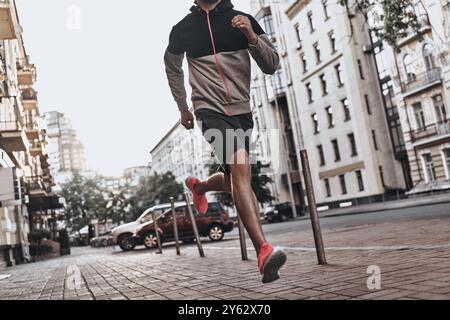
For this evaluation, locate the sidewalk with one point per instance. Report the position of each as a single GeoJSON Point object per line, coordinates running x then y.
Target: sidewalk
{"type": "Point", "coordinates": [388, 205]}
{"type": "Point", "coordinates": [414, 258]}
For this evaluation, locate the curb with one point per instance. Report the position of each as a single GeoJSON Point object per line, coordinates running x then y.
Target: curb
{"type": "Point", "coordinates": [333, 215]}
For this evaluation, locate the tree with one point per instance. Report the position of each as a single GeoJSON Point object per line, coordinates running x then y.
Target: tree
{"type": "Point", "coordinates": [396, 20]}
{"type": "Point", "coordinates": [259, 184]}
{"type": "Point", "coordinates": [156, 188]}
{"type": "Point", "coordinates": [84, 200]}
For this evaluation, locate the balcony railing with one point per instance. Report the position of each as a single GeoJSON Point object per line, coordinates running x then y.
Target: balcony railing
{"type": "Point", "coordinates": [433, 130]}
{"type": "Point", "coordinates": [423, 80]}
{"type": "Point", "coordinates": [9, 21]}
{"type": "Point", "coordinates": [10, 118]}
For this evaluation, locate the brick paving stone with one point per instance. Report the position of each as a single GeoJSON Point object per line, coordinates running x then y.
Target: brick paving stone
{"type": "Point", "coordinates": [108, 274]}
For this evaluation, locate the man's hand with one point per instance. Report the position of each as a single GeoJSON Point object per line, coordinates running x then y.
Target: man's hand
{"type": "Point", "coordinates": [187, 119]}
{"type": "Point", "coordinates": [243, 23]}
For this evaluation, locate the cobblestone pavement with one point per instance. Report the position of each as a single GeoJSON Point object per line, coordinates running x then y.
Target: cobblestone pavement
{"type": "Point", "coordinates": [414, 258]}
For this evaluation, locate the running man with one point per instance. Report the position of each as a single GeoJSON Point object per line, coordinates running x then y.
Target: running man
{"type": "Point", "coordinates": [218, 42]}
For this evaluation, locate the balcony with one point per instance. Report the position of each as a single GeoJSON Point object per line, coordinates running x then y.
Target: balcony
{"type": "Point", "coordinates": [9, 22]}
{"type": "Point", "coordinates": [417, 83]}
{"type": "Point", "coordinates": [26, 72]}
{"type": "Point", "coordinates": [413, 35]}
{"type": "Point", "coordinates": [12, 134]}
{"type": "Point", "coordinates": [436, 130]}
{"type": "Point", "coordinates": [35, 185]}
{"type": "Point", "coordinates": [29, 99]}
{"type": "Point", "coordinates": [38, 149]}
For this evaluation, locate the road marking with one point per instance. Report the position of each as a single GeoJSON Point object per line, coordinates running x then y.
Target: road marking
{"type": "Point", "coordinates": [4, 276]}
{"type": "Point", "coordinates": [368, 248]}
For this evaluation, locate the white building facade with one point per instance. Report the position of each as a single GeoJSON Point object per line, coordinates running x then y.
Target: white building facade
{"type": "Point", "coordinates": [334, 104]}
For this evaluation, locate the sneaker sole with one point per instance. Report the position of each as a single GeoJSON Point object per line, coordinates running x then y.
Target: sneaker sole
{"type": "Point", "coordinates": [192, 191]}
{"type": "Point", "coordinates": [273, 265]}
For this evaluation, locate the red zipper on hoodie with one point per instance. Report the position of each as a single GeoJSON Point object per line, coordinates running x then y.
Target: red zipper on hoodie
{"type": "Point", "coordinates": [218, 65]}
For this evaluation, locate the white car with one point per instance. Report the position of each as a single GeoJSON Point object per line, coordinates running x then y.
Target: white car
{"type": "Point", "coordinates": [122, 235]}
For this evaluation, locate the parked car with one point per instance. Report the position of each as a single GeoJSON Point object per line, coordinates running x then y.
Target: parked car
{"type": "Point", "coordinates": [122, 235]}
{"type": "Point", "coordinates": [213, 224]}
{"type": "Point", "coordinates": [102, 241]}
{"type": "Point", "coordinates": [280, 212]}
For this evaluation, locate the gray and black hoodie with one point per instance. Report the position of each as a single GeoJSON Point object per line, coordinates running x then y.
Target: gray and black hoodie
{"type": "Point", "coordinates": [191, 36]}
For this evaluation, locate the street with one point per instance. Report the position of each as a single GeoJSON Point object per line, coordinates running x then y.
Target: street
{"type": "Point", "coordinates": [411, 249]}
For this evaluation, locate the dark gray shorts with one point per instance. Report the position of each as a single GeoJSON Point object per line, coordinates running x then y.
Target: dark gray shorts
{"type": "Point", "coordinates": [226, 134]}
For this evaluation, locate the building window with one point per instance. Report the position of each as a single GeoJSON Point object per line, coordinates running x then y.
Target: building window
{"type": "Point", "coordinates": [429, 167]}
{"type": "Point", "coordinates": [315, 120]}
{"type": "Point", "coordinates": [419, 116]}
{"type": "Point", "coordinates": [374, 138]}
{"type": "Point", "coordinates": [380, 170]}
{"type": "Point", "coordinates": [298, 34]}
{"type": "Point", "coordinates": [339, 75]}
{"type": "Point", "coordinates": [409, 68]}
{"type": "Point", "coordinates": [330, 117]}
{"type": "Point", "coordinates": [360, 180]}
{"type": "Point", "coordinates": [269, 26]}
{"type": "Point", "coordinates": [439, 109]}
{"type": "Point", "coordinates": [332, 38]}
{"type": "Point", "coordinates": [446, 153]}
{"type": "Point", "coordinates": [310, 93]}
{"type": "Point", "coordinates": [337, 154]}
{"type": "Point", "coordinates": [321, 155]}
{"type": "Point", "coordinates": [311, 21]}
{"type": "Point", "coordinates": [346, 107]}
{"type": "Point", "coordinates": [366, 98]}
{"type": "Point", "coordinates": [317, 51]}
{"type": "Point", "coordinates": [325, 9]}
{"type": "Point", "coordinates": [343, 184]}
{"type": "Point", "coordinates": [360, 68]}
{"type": "Point", "coordinates": [351, 139]}
{"type": "Point", "coordinates": [428, 56]}
{"type": "Point", "coordinates": [327, 187]}
{"type": "Point", "coordinates": [323, 83]}
{"type": "Point", "coordinates": [304, 63]}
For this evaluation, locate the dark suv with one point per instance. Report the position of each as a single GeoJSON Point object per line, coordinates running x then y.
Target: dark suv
{"type": "Point", "coordinates": [281, 212]}
{"type": "Point", "coordinates": [213, 224]}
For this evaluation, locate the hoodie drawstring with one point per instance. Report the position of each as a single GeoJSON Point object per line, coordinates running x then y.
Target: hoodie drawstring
{"type": "Point", "coordinates": [219, 67]}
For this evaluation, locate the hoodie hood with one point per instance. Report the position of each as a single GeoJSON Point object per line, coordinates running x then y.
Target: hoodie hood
{"type": "Point", "coordinates": [222, 6]}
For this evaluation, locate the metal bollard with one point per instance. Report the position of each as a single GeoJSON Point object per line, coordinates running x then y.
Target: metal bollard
{"type": "Point", "coordinates": [242, 239]}
{"type": "Point", "coordinates": [194, 225]}
{"type": "Point", "coordinates": [175, 226]}
{"type": "Point", "coordinates": [320, 250]}
{"type": "Point", "coordinates": [155, 226]}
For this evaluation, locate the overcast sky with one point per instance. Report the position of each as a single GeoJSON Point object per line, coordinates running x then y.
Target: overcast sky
{"type": "Point", "coordinates": [108, 75]}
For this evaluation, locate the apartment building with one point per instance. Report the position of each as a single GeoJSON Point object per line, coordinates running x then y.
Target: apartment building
{"type": "Point", "coordinates": [421, 87]}
{"type": "Point", "coordinates": [183, 152]}
{"type": "Point", "coordinates": [273, 106]}
{"type": "Point", "coordinates": [25, 178]}
{"type": "Point", "coordinates": [334, 106]}
{"type": "Point", "coordinates": [66, 152]}
{"type": "Point", "coordinates": [133, 175]}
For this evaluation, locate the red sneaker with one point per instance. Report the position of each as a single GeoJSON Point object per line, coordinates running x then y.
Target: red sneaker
{"type": "Point", "coordinates": [270, 261]}
{"type": "Point", "coordinates": [200, 201]}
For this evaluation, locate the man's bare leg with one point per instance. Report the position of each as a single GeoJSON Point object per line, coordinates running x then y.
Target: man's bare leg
{"type": "Point", "coordinates": [220, 182]}
{"type": "Point", "coordinates": [244, 198]}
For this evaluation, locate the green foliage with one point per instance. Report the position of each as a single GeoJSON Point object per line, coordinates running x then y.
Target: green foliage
{"type": "Point", "coordinates": [259, 184]}
{"type": "Point", "coordinates": [40, 249]}
{"type": "Point", "coordinates": [36, 236]}
{"type": "Point", "coordinates": [87, 198]}
{"type": "Point", "coordinates": [396, 22]}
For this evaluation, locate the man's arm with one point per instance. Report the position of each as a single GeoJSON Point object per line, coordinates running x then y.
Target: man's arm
{"type": "Point", "coordinates": [173, 60]}
{"type": "Point", "coordinates": [260, 47]}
